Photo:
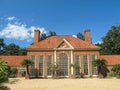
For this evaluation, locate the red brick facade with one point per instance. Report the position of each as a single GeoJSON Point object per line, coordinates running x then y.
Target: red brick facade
{"type": "Point", "coordinates": [64, 51]}
{"type": "Point", "coordinates": [56, 45]}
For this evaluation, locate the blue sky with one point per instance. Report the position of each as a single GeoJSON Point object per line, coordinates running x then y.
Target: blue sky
{"type": "Point", "coordinates": [19, 18]}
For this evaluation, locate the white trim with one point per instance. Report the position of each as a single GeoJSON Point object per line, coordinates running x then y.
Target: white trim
{"type": "Point", "coordinates": [64, 40]}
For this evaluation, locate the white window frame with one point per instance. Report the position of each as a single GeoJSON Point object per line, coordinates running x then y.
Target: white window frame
{"type": "Point", "coordinates": [47, 66]}
{"type": "Point", "coordinates": [88, 66]}
{"type": "Point", "coordinates": [43, 65]}
{"type": "Point", "coordinates": [68, 65]}
{"type": "Point", "coordinates": [34, 65]}
{"type": "Point", "coordinates": [96, 67]}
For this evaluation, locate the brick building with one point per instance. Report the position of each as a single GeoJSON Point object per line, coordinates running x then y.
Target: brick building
{"type": "Point", "coordinates": [63, 50]}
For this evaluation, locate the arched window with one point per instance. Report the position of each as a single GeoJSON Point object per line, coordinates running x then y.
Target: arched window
{"type": "Point", "coordinates": [63, 65]}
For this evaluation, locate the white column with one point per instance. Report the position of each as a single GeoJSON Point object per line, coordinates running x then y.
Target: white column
{"type": "Point", "coordinates": [72, 61]}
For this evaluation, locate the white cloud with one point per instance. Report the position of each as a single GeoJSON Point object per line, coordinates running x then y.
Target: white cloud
{"type": "Point", "coordinates": [19, 31]}
{"type": "Point", "coordinates": [10, 18]}
{"type": "Point", "coordinates": [74, 36]}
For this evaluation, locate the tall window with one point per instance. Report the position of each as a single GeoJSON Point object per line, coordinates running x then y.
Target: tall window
{"type": "Point", "coordinates": [77, 62]}
{"type": "Point", "coordinates": [49, 62]}
{"type": "Point", "coordinates": [85, 60]}
{"type": "Point", "coordinates": [41, 62]}
{"type": "Point", "coordinates": [63, 65]}
{"type": "Point", "coordinates": [32, 68]}
{"type": "Point", "coordinates": [94, 69]}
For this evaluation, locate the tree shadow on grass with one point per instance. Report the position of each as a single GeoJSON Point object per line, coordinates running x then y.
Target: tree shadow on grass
{"type": "Point", "coordinates": [13, 81]}
{"type": "Point", "coordinates": [4, 88]}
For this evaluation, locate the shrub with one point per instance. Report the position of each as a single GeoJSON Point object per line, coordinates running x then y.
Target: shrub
{"type": "Point", "coordinates": [13, 72]}
{"type": "Point", "coordinates": [116, 69]}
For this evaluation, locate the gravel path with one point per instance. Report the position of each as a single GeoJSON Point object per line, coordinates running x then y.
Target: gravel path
{"type": "Point", "coordinates": [64, 84]}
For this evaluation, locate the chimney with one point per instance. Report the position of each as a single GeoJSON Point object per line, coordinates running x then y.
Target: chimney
{"type": "Point", "coordinates": [36, 36]}
{"type": "Point", "coordinates": [87, 36]}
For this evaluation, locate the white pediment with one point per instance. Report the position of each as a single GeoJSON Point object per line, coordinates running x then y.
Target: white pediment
{"type": "Point", "coordinates": [63, 44]}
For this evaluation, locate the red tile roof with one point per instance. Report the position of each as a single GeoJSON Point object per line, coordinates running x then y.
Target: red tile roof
{"type": "Point", "coordinates": [51, 42]}
{"type": "Point", "coordinates": [13, 60]}
{"type": "Point", "coordinates": [111, 59]}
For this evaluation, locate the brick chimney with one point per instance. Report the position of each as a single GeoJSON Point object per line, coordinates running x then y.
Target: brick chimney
{"type": "Point", "coordinates": [36, 36]}
{"type": "Point", "coordinates": [87, 36]}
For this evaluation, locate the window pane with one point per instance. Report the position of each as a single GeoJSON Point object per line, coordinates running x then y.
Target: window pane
{"type": "Point", "coordinates": [94, 69]}
{"type": "Point", "coordinates": [40, 59]}
{"type": "Point", "coordinates": [49, 62]}
{"type": "Point", "coordinates": [32, 68]}
{"type": "Point", "coordinates": [63, 65]}
{"type": "Point", "coordinates": [85, 65]}
{"type": "Point", "coordinates": [77, 62]}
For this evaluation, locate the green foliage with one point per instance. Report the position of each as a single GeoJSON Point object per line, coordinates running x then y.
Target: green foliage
{"type": "Point", "coordinates": [51, 33]}
{"type": "Point", "coordinates": [4, 71]}
{"type": "Point", "coordinates": [76, 66]}
{"type": "Point", "coordinates": [101, 66]}
{"type": "Point", "coordinates": [43, 36]}
{"type": "Point", "coordinates": [11, 49]}
{"type": "Point", "coordinates": [111, 42]}
{"type": "Point", "coordinates": [80, 36]}
{"type": "Point", "coordinates": [54, 68]}
{"type": "Point", "coordinates": [26, 63]}
{"type": "Point", "coordinates": [2, 46]}
{"type": "Point", "coordinates": [4, 88]}
{"type": "Point", "coordinates": [112, 75]}
{"type": "Point", "coordinates": [116, 69]}
{"type": "Point", "coordinates": [13, 72]}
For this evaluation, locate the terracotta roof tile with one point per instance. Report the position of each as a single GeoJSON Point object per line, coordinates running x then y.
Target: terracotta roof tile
{"type": "Point", "coordinates": [111, 59]}
{"type": "Point", "coordinates": [51, 42]}
{"type": "Point", "coordinates": [13, 60]}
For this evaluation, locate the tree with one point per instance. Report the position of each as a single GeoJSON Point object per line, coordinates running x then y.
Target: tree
{"type": "Point", "coordinates": [116, 70]}
{"type": "Point", "coordinates": [80, 36]}
{"type": "Point", "coordinates": [54, 68]}
{"type": "Point", "coordinates": [13, 72]}
{"type": "Point", "coordinates": [76, 68]}
{"type": "Point", "coordinates": [12, 49]}
{"type": "Point", "coordinates": [111, 42]}
{"type": "Point", "coordinates": [22, 51]}
{"type": "Point", "coordinates": [4, 71]}
{"type": "Point", "coordinates": [101, 67]}
{"type": "Point", "coordinates": [2, 46]}
{"type": "Point", "coordinates": [51, 33]}
{"type": "Point", "coordinates": [43, 36]}
{"type": "Point", "coordinates": [26, 63]}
